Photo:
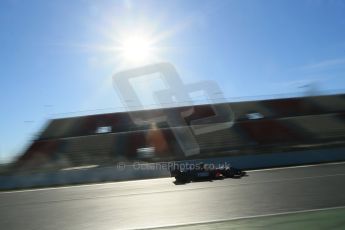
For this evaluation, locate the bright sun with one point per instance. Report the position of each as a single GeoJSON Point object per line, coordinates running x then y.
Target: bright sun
{"type": "Point", "coordinates": [137, 49]}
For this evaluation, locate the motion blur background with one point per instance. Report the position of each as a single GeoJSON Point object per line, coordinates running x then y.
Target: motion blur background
{"type": "Point", "coordinates": [279, 65]}
{"type": "Point", "coordinates": [58, 57]}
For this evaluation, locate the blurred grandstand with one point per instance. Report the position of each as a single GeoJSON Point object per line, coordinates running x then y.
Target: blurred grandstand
{"type": "Point", "coordinates": [264, 126]}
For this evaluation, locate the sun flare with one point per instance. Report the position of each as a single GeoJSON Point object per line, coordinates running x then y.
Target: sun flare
{"type": "Point", "coordinates": [137, 49]}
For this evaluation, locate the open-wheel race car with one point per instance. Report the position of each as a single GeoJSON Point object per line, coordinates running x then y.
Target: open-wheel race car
{"type": "Point", "coordinates": [202, 173]}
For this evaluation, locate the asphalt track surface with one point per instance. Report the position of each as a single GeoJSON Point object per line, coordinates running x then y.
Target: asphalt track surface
{"type": "Point", "coordinates": [159, 202]}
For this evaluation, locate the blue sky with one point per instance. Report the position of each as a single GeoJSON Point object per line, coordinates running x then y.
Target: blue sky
{"type": "Point", "coordinates": [57, 57]}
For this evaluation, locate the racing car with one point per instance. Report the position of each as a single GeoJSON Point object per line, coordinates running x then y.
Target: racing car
{"type": "Point", "coordinates": [201, 173]}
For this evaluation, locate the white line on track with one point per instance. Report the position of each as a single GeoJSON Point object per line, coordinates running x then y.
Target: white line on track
{"type": "Point", "coordinates": [298, 166]}
{"type": "Point", "coordinates": [82, 185]}
{"type": "Point", "coordinates": [246, 217]}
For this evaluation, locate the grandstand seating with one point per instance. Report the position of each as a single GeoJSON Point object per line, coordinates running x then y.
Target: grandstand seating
{"type": "Point", "coordinates": [93, 149]}
{"type": "Point", "coordinates": [324, 126]}
{"type": "Point", "coordinates": [282, 122]}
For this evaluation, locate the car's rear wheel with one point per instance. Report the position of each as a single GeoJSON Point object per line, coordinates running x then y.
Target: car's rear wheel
{"type": "Point", "coordinates": [183, 178]}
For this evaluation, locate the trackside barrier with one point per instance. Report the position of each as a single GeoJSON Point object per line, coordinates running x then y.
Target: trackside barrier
{"type": "Point", "coordinates": [134, 172]}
